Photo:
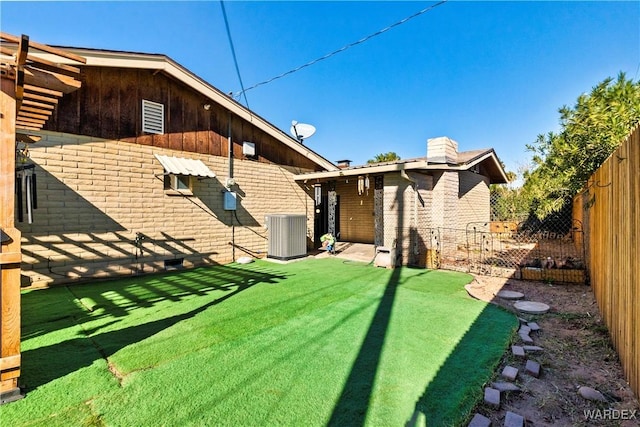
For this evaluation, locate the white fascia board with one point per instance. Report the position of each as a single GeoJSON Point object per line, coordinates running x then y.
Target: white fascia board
{"type": "Point", "coordinates": [367, 170]}
{"type": "Point", "coordinates": [491, 154]}
{"type": "Point", "coordinates": [397, 167]}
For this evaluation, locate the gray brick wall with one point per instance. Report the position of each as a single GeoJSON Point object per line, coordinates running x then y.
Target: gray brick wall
{"type": "Point", "coordinates": [474, 204]}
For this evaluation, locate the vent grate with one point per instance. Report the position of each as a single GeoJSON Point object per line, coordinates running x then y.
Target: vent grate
{"type": "Point", "coordinates": [152, 117]}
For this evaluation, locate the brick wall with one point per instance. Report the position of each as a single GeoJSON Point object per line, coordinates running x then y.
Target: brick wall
{"type": "Point", "coordinates": [95, 196]}
{"type": "Point", "coordinates": [474, 200]}
{"type": "Point", "coordinates": [445, 200]}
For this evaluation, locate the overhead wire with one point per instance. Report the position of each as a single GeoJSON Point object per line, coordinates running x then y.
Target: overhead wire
{"type": "Point", "coordinates": [233, 52]}
{"type": "Point", "coordinates": [335, 52]}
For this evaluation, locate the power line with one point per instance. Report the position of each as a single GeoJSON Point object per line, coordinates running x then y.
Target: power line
{"type": "Point", "coordinates": [233, 52]}
{"type": "Point", "coordinates": [342, 49]}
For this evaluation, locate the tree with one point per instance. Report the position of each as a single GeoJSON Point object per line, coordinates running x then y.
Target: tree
{"type": "Point", "coordinates": [589, 132]}
{"type": "Point", "coordinates": [384, 157]}
{"type": "Point", "coordinates": [507, 200]}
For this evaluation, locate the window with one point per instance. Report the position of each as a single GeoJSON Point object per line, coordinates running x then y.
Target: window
{"type": "Point", "coordinates": [152, 117]}
{"type": "Point", "coordinates": [178, 184]}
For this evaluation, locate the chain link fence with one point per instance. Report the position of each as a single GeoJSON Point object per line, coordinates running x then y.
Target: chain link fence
{"type": "Point", "coordinates": [521, 247]}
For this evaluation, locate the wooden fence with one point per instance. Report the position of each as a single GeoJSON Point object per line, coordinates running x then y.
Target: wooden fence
{"type": "Point", "coordinates": [610, 211]}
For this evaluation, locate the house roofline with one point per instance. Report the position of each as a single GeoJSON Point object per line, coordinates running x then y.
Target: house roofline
{"type": "Point", "coordinates": [161, 62]}
{"type": "Point", "coordinates": [419, 164]}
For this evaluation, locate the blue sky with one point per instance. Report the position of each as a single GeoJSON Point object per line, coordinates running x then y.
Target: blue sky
{"type": "Point", "coordinates": [487, 74]}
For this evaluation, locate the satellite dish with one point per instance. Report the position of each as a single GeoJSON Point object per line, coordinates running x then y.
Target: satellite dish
{"type": "Point", "coordinates": [302, 131]}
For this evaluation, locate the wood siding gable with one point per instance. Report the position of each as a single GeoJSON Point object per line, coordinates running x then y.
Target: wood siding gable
{"type": "Point", "coordinates": [109, 106]}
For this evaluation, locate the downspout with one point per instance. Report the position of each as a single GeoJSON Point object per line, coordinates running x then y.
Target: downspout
{"type": "Point", "coordinates": [414, 216]}
{"type": "Point", "coordinates": [229, 177]}
{"type": "Point", "coordinates": [229, 148]}
{"type": "Point", "coordinates": [407, 177]}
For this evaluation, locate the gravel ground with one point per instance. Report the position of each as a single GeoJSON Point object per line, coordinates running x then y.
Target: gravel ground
{"type": "Point", "coordinates": [577, 352]}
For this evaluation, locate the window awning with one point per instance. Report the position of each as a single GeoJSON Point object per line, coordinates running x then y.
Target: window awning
{"type": "Point", "coordinates": [181, 166]}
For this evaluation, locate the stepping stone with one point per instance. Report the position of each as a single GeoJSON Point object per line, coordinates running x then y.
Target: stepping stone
{"type": "Point", "coordinates": [505, 386]}
{"type": "Point", "coordinates": [513, 420]}
{"type": "Point", "coordinates": [480, 421]}
{"type": "Point", "coordinates": [524, 330]}
{"type": "Point", "coordinates": [526, 338]}
{"type": "Point", "coordinates": [510, 373]}
{"type": "Point", "coordinates": [523, 321]}
{"type": "Point", "coordinates": [517, 351]}
{"type": "Point", "coordinates": [532, 348]}
{"type": "Point", "coordinates": [492, 397]}
{"type": "Point", "coordinates": [591, 394]}
{"type": "Point", "coordinates": [531, 307]}
{"type": "Point", "coordinates": [533, 326]}
{"type": "Point", "coordinates": [510, 295]}
{"type": "Point", "coordinates": [532, 368]}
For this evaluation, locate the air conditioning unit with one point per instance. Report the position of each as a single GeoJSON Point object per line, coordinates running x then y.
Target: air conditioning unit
{"type": "Point", "coordinates": [287, 236]}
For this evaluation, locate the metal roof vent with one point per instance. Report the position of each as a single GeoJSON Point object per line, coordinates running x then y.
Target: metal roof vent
{"type": "Point", "coordinates": [152, 117]}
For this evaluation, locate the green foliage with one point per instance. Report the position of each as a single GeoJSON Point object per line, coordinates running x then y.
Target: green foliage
{"type": "Point", "coordinates": [507, 204]}
{"type": "Point", "coordinates": [384, 157]}
{"type": "Point", "coordinates": [590, 131]}
{"type": "Point", "coordinates": [507, 201]}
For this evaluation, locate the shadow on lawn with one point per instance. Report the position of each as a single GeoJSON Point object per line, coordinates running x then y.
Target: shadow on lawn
{"type": "Point", "coordinates": [461, 377]}
{"type": "Point", "coordinates": [454, 381]}
{"type": "Point", "coordinates": [351, 407]}
{"type": "Point", "coordinates": [47, 363]}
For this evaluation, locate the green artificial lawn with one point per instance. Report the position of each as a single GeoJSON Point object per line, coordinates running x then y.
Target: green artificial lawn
{"type": "Point", "coordinates": [310, 343]}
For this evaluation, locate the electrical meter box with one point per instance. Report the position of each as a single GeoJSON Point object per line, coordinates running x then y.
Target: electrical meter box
{"type": "Point", "coordinates": [229, 200]}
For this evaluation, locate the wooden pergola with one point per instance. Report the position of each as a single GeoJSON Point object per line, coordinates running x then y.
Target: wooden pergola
{"type": "Point", "coordinates": [31, 88]}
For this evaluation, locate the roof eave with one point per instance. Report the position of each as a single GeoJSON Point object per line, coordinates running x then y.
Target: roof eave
{"type": "Point", "coordinates": [501, 177]}
{"type": "Point", "coordinates": [163, 63]}
{"type": "Point", "coordinates": [425, 165]}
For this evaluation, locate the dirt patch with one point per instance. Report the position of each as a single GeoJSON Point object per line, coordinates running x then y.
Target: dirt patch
{"type": "Point", "coordinates": [577, 352]}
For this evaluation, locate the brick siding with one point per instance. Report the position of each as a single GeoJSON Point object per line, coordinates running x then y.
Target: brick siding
{"type": "Point", "coordinates": [474, 201]}
{"type": "Point", "coordinates": [95, 195]}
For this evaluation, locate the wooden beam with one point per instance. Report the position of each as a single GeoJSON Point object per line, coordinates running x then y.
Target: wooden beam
{"type": "Point", "coordinates": [10, 258]}
{"type": "Point", "coordinates": [26, 115]}
{"type": "Point", "coordinates": [26, 127]}
{"type": "Point", "coordinates": [10, 362]}
{"type": "Point", "coordinates": [6, 51]}
{"type": "Point", "coordinates": [29, 122]}
{"type": "Point", "coordinates": [37, 62]}
{"type": "Point", "coordinates": [34, 97]}
{"type": "Point", "coordinates": [52, 66]}
{"type": "Point", "coordinates": [21, 59]}
{"type": "Point", "coordinates": [23, 113]}
{"type": "Point", "coordinates": [51, 80]}
{"type": "Point", "coordinates": [28, 109]}
{"type": "Point", "coordinates": [45, 48]}
{"type": "Point", "coordinates": [30, 126]}
{"type": "Point", "coordinates": [46, 91]}
{"type": "Point", "coordinates": [9, 273]}
{"type": "Point", "coordinates": [23, 119]}
{"type": "Point", "coordinates": [38, 104]}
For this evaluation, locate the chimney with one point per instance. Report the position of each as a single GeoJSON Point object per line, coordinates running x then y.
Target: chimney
{"type": "Point", "coordinates": [343, 164]}
{"type": "Point", "coordinates": [442, 150]}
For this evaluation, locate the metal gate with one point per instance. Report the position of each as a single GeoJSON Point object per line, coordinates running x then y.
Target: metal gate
{"type": "Point", "coordinates": [546, 252]}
